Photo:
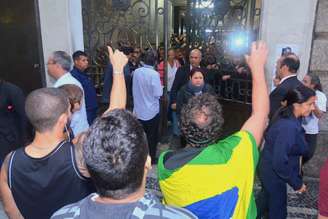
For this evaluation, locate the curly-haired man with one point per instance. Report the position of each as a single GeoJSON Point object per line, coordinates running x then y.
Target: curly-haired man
{"type": "Point", "coordinates": [211, 178]}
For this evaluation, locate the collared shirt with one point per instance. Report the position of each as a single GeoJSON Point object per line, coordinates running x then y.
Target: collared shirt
{"type": "Point", "coordinates": [285, 78]}
{"type": "Point", "coordinates": [171, 71]}
{"type": "Point", "coordinates": [191, 67]}
{"type": "Point", "coordinates": [147, 91]}
{"type": "Point", "coordinates": [79, 122]}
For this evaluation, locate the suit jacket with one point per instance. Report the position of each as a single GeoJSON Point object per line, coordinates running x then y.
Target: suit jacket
{"type": "Point", "coordinates": [108, 82]}
{"type": "Point", "coordinates": [181, 78]}
{"type": "Point", "coordinates": [279, 93]}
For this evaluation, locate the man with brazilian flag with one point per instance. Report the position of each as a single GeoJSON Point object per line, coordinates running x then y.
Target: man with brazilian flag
{"type": "Point", "coordinates": [210, 177]}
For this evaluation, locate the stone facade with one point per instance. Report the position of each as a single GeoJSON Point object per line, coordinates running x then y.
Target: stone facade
{"type": "Point", "coordinates": [319, 56]}
{"type": "Point", "coordinates": [288, 23]}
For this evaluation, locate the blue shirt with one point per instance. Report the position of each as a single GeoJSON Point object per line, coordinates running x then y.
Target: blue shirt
{"type": "Point", "coordinates": [79, 122]}
{"type": "Point", "coordinates": [108, 81]}
{"type": "Point", "coordinates": [89, 92]}
{"type": "Point", "coordinates": [147, 90]}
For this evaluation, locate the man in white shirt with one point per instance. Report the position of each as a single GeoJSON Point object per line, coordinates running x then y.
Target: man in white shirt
{"type": "Point", "coordinates": [59, 65]}
{"type": "Point", "coordinates": [147, 91]}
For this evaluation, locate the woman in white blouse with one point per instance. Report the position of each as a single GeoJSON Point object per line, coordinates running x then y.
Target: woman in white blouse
{"type": "Point", "coordinates": [311, 122]}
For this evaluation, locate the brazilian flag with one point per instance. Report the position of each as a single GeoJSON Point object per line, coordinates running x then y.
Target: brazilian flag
{"type": "Point", "coordinates": [214, 181]}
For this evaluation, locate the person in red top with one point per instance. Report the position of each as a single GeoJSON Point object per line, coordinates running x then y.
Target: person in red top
{"type": "Point", "coordinates": [323, 192]}
{"type": "Point", "coordinates": [172, 67]}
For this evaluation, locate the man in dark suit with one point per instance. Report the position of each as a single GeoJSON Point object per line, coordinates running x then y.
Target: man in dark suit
{"type": "Point", "coordinates": [287, 67]}
{"type": "Point", "coordinates": [182, 75]}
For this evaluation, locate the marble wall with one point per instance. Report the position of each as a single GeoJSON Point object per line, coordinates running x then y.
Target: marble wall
{"type": "Point", "coordinates": [61, 28]}
{"type": "Point", "coordinates": [288, 23]}
{"type": "Point", "coordinates": [319, 56]}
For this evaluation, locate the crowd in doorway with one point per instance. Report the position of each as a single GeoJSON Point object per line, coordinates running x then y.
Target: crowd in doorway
{"type": "Point", "coordinates": [86, 159]}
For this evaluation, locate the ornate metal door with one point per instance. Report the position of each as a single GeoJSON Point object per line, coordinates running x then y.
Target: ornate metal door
{"type": "Point", "coordinates": [113, 21]}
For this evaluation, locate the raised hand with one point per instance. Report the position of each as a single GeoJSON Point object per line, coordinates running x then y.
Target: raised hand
{"type": "Point", "coordinates": [258, 57]}
{"type": "Point", "coordinates": [118, 60]}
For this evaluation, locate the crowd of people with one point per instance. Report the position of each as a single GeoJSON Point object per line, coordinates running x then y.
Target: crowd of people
{"type": "Point", "coordinates": [84, 164]}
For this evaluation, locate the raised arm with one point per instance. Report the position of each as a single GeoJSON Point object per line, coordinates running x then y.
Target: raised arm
{"type": "Point", "coordinates": [256, 124]}
{"type": "Point", "coordinates": [118, 92]}
{"type": "Point", "coordinates": [8, 201]}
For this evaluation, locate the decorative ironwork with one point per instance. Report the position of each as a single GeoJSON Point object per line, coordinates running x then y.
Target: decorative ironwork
{"type": "Point", "coordinates": [235, 90]}
{"type": "Point", "coordinates": [214, 20]}
{"type": "Point", "coordinates": [112, 21]}
{"type": "Point", "coordinates": [115, 22]}
{"type": "Point", "coordinates": [135, 23]}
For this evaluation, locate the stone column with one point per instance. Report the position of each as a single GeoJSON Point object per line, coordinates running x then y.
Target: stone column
{"type": "Point", "coordinates": [288, 22]}
{"type": "Point", "coordinates": [319, 57]}
{"type": "Point", "coordinates": [61, 27]}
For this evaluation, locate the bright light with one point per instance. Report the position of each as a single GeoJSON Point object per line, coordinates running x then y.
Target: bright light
{"type": "Point", "coordinates": [239, 41]}
{"type": "Point", "coordinates": [205, 4]}
{"type": "Point", "coordinates": [208, 31]}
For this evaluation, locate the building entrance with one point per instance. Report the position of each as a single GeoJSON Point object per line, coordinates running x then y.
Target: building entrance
{"type": "Point", "coordinates": [20, 44]}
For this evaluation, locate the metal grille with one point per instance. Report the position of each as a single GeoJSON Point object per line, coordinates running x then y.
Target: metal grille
{"type": "Point", "coordinates": [134, 22]}
{"type": "Point", "coordinates": [107, 22]}
{"type": "Point", "coordinates": [213, 21]}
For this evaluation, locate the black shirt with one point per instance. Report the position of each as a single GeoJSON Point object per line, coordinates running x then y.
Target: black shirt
{"type": "Point", "coordinates": [12, 118]}
{"type": "Point", "coordinates": [40, 186]}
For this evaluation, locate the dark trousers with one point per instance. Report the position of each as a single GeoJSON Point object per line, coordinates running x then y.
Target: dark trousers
{"type": "Point", "coordinates": [272, 202]}
{"type": "Point", "coordinates": [151, 129]}
{"type": "Point", "coordinates": [312, 142]}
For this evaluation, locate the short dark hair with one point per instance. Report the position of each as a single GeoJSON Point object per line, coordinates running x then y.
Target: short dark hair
{"type": "Point", "coordinates": [201, 120]}
{"type": "Point", "coordinates": [194, 70]}
{"type": "Point", "coordinates": [44, 107]}
{"type": "Point", "coordinates": [115, 152]}
{"type": "Point", "coordinates": [149, 57]}
{"type": "Point", "coordinates": [292, 63]}
{"type": "Point", "coordinates": [76, 55]}
{"type": "Point", "coordinates": [73, 92]}
{"type": "Point", "coordinates": [127, 50]}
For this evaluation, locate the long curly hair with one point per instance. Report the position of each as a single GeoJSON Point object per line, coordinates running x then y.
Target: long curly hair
{"type": "Point", "coordinates": [201, 120]}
